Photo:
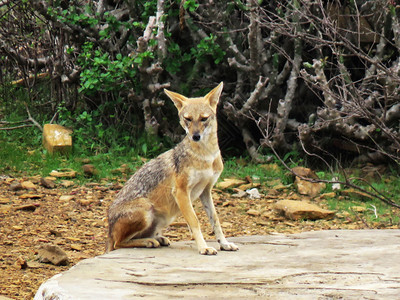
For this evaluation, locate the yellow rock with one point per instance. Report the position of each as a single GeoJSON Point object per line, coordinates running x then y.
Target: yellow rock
{"type": "Point", "coordinates": [29, 185]}
{"type": "Point", "coordinates": [57, 138]}
{"type": "Point", "coordinates": [296, 210]}
{"type": "Point", "coordinates": [230, 183]}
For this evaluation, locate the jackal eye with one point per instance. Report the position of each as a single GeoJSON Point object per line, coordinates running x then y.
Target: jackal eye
{"type": "Point", "coordinates": [188, 119]}
{"type": "Point", "coordinates": [203, 119]}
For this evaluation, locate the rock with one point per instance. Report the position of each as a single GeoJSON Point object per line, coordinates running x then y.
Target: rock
{"type": "Point", "coordinates": [66, 174]}
{"type": "Point", "coordinates": [52, 254]}
{"type": "Point", "coordinates": [28, 207]}
{"type": "Point", "coordinates": [305, 187]}
{"type": "Point", "coordinates": [30, 196]}
{"type": "Point", "coordinates": [21, 263]}
{"type": "Point", "coordinates": [296, 210]}
{"type": "Point", "coordinates": [239, 193]}
{"type": "Point", "coordinates": [66, 198]}
{"type": "Point", "coordinates": [253, 212]}
{"type": "Point", "coordinates": [76, 247]}
{"type": "Point", "coordinates": [328, 195]}
{"type": "Point", "coordinates": [15, 186]}
{"type": "Point", "coordinates": [57, 138]}
{"type": "Point", "coordinates": [331, 264]}
{"type": "Point", "coordinates": [253, 193]}
{"type": "Point", "coordinates": [89, 170]}
{"type": "Point", "coordinates": [4, 200]}
{"type": "Point", "coordinates": [67, 183]}
{"type": "Point", "coordinates": [305, 172]}
{"type": "Point", "coordinates": [47, 183]}
{"type": "Point", "coordinates": [229, 183]}
{"type": "Point", "coordinates": [28, 185]}
{"type": "Point", "coordinates": [308, 188]}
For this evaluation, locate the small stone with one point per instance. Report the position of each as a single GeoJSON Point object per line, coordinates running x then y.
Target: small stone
{"type": "Point", "coordinates": [52, 254]}
{"type": "Point", "coordinates": [296, 210]}
{"type": "Point", "coordinates": [308, 188]}
{"type": "Point", "coordinates": [226, 224]}
{"type": "Point", "coordinates": [33, 265]}
{"type": "Point", "coordinates": [89, 170]}
{"type": "Point", "coordinates": [328, 195]}
{"type": "Point", "coordinates": [16, 186]}
{"type": "Point", "coordinates": [28, 185]}
{"type": "Point", "coordinates": [57, 138]}
{"type": "Point", "coordinates": [253, 212]}
{"type": "Point", "coordinates": [17, 228]}
{"type": "Point", "coordinates": [239, 193]}
{"type": "Point", "coordinates": [67, 183]}
{"type": "Point", "coordinates": [28, 207]}
{"type": "Point", "coordinates": [55, 233]}
{"type": "Point", "coordinates": [77, 247]}
{"type": "Point", "coordinates": [67, 198]}
{"type": "Point", "coordinates": [21, 263]}
{"type": "Point", "coordinates": [47, 183]}
{"type": "Point", "coordinates": [305, 172]}
{"type": "Point", "coordinates": [65, 174]}
{"type": "Point", "coordinates": [253, 193]}
{"type": "Point", "coordinates": [229, 183]}
{"type": "Point", "coordinates": [30, 196]}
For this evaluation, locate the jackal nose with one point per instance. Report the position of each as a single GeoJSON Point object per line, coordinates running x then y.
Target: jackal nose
{"type": "Point", "coordinates": [196, 137]}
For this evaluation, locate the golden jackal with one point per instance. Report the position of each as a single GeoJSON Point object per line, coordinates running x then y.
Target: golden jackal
{"type": "Point", "coordinates": [154, 195]}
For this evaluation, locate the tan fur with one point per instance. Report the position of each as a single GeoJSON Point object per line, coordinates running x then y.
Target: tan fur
{"type": "Point", "coordinates": [167, 185]}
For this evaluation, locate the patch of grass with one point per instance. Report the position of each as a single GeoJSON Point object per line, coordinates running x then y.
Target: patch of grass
{"type": "Point", "coordinates": [372, 212]}
{"type": "Point", "coordinates": [242, 167]}
{"type": "Point", "coordinates": [22, 154]}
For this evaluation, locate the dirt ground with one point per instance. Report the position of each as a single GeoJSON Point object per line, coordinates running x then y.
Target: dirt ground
{"type": "Point", "coordinates": [74, 218]}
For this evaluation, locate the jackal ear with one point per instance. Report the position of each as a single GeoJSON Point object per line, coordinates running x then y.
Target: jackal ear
{"type": "Point", "coordinates": [178, 99]}
{"type": "Point", "coordinates": [213, 96]}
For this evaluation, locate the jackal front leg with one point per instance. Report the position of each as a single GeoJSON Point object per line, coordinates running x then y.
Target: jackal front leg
{"type": "Point", "coordinates": [208, 204]}
{"type": "Point", "coordinates": [186, 207]}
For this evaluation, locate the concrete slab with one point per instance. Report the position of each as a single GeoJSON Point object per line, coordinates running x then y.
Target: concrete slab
{"type": "Point", "coordinates": [360, 264]}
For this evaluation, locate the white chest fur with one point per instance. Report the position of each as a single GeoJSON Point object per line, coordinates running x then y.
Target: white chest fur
{"type": "Point", "coordinates": [199, 180]}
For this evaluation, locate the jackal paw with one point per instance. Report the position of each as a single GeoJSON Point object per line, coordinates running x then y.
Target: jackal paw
{"type": "Point", "coordinates": [228, 246]}
{"type": "Point", "coordinates": [208, 251]}
{"type": "Point", "coordinates": [152, 243]}
{"type": "Point", "coordinates": [163, 241]}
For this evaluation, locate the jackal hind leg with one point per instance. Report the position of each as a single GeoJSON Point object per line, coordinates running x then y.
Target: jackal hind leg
{"type": "Point", "coordinates": [135, 229]}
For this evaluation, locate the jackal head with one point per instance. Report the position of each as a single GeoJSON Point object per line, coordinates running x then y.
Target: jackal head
{"type": "Point", "coordinates": [198, 115]}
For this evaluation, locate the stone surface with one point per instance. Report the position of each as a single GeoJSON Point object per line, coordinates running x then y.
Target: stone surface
{"type": "Point", "coordinates": [57, 138]}
{"type": "Point", "coordinates": [363, 264]}
{"type": "Point", "coordinates": [52, 254]}
{"type": "Point", "coordinates": [296, 210]}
